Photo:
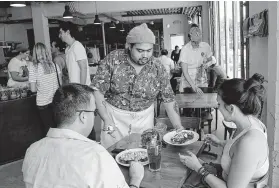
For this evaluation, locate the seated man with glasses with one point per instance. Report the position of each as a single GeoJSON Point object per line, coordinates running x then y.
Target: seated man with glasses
{"type": "Point", "coordinates": [66, 157]}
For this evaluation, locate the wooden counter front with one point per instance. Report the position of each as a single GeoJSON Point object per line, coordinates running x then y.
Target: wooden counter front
{"type": "Point", "coordinates": [20, 126]}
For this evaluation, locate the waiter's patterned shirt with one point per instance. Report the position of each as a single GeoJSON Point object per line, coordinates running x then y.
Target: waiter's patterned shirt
{"type": "Point", "coordinates": [117, 79]}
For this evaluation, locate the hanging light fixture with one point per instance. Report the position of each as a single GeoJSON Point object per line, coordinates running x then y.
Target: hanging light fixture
{"type": "Point", "coordinates": [17, 4]}
{"type": "Point", "coordinates": [112, 25]}
{"type": "Point", "coordinates": [67, 13]}
{"type": "Point", "coordinates": [97, 20]}
{"type": "Point", "coordinates": [122, 28]}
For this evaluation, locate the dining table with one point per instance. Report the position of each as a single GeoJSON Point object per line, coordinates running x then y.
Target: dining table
{"type": "Point", "coordinates": [173, 174]}
{"type": "Point", "coordinates": [194, 100]}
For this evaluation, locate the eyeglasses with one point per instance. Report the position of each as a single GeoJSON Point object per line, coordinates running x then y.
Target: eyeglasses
{"type": "Point", "coordinates": [95, 111]}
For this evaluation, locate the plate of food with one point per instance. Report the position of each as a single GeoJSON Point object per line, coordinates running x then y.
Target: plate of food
{"type": "Point", "coordinates": [181, 138]}
{"type": "Point", "coordinates": [138, 154]}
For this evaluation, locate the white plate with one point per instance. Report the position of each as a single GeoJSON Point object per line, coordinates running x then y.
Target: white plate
{"type": "Point", "coordinates": [168, 136]}
{"type": "Point", "coordinates": [130, 150]}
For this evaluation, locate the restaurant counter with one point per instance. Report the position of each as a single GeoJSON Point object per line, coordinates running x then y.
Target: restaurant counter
{"type": "Point", "coordinates": [20, 126]}
{"type": "Point", "coordinates": [3, 78]}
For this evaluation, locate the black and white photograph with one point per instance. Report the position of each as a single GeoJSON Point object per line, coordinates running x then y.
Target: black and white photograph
{"type": "Point", "coordinates": [139, 94]}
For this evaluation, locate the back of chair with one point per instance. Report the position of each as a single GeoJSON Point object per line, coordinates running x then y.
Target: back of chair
{"type": "Point", "coordinates": [187, 122]}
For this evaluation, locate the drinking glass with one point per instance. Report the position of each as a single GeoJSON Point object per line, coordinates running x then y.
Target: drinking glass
{"type": "Point", "coordinates": [161, 128]}
{"type": "Point", "coordinates": [154, 149]}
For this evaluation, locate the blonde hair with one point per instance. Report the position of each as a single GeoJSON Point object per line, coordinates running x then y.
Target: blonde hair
{"type": "Point", "coordinates": [41, 55]}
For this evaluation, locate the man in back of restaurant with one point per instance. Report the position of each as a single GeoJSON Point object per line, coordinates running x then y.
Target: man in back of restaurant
{"type": "Point", "coordinates": [65, 157]}
{"type": "Point", "coordinates": [76, 58]}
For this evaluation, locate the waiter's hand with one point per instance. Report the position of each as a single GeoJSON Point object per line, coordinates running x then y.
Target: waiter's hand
{"type": "Point", "coordinates": [178, 129]}
{"type": "Point", "coordinates": [198, 90]}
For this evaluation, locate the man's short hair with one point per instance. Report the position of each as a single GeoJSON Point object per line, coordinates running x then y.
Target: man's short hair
{"type": "Point", "coordinates": [65, 26]}
{"type": "Point", "coordinates": [67, 100]}
{"type": "Point", "coordinates": [164, 52]}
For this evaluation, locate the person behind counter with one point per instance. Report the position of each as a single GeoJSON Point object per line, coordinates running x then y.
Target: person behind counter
{"type": "Point", "coordinates": [132, 79]}
{"type": "Point", "coordinates": [17, 68]}
{"type": "Point", "coordinates": [44, 77]}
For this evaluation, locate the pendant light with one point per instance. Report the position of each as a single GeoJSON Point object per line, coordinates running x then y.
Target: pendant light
{"type": "Point", "coordinates": [97, 20]}
{"type": "Point", "coordinates": [112, 25]}
{"type": "Point", "coordinates": [67, 13]}
{"type": "Point", "coordinates": [18, 4]}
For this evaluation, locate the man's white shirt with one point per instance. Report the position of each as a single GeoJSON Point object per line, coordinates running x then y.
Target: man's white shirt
{"type": "Point", "coordinates": [75, 53]}
{"type": "Point", "coordinates": [67, 159]}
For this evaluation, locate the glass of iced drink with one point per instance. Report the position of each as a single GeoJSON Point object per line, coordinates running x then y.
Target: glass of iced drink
{"type": "Point", "coordinates": [154, 148]}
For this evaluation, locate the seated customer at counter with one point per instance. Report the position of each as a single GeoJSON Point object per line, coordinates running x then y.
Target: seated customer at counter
{"type": "Point", "coordinates": [132, 80]}
{"type": "Point", "coordinates": [17, 68]}
{"type": "Point", "coordinates": [66, 158]}
{"type": "Point", "coordinates": [244, 159]}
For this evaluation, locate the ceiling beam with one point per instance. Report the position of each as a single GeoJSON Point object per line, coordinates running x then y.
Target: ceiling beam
{"type": "Point", "coordinates": [110, 17]}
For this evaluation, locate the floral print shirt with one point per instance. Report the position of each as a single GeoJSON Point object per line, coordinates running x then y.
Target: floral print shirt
{"type": "Point", "coordinates": [117, 79]}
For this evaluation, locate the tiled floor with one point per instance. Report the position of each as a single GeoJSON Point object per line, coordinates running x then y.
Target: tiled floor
{"type": "Point", "coordinates": [11, 175]}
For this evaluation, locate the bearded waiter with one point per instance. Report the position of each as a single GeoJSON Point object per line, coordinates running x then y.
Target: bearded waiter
{"type": "Point", "coordinates": [131, 80]}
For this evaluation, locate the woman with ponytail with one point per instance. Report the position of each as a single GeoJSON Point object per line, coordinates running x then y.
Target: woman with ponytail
{"type": "Point", "coordinates": [245, 157]}
{"type": "Point", "coordinates": [44, 78]}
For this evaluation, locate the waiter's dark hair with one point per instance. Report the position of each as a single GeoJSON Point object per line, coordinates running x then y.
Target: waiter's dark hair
{"type": "Point", "coordinates": [246, 94]}
{"type": "Point", "coordinates": [69, 26]}
{"type": "Point", "coordinates": [67, 100]}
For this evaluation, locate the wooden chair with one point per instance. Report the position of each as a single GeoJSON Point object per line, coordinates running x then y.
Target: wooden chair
{"type": "Point", "coordinates": [193, 123]}
{"type": "Point", "coordinates": [206, 113]}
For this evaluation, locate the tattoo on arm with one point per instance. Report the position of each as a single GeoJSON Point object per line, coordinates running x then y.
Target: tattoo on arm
{"type": "Point", "coordinates": [175, 107]}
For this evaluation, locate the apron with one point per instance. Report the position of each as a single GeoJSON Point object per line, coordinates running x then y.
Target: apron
{"type": "Point", "coordinates": [198, 76]}
{"type": "Point", "coordinates": [139, 121]}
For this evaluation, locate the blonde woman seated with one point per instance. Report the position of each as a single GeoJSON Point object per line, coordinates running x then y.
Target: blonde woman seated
{"type": "Point", "coordinates": [245, 157]}
{"type": "Point", "coordinates": [44, 78]}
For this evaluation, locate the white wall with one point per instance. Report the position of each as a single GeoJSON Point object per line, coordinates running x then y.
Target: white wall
{"type": "Point", "coordinates": [175, 28]}
{"type": "Point", "coordinates": [259, 50]}
{"type": "Point", "coordinates": [14, 32]}
{"type": "Point", "coordinates": [264, 59]}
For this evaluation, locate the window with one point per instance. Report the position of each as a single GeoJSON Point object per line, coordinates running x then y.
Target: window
{"type": "Point", "coordinates": [227, 42]}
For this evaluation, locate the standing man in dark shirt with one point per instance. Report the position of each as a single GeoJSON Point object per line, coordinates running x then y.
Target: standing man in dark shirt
{"type": "Point", "coordinates": [175, 57]}
{"type": "Point", "coordinates": [175, 54]}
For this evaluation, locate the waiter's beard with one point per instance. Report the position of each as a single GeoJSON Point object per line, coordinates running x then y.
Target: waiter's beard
{"type": "Point", "coordinates": [142, 61]}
